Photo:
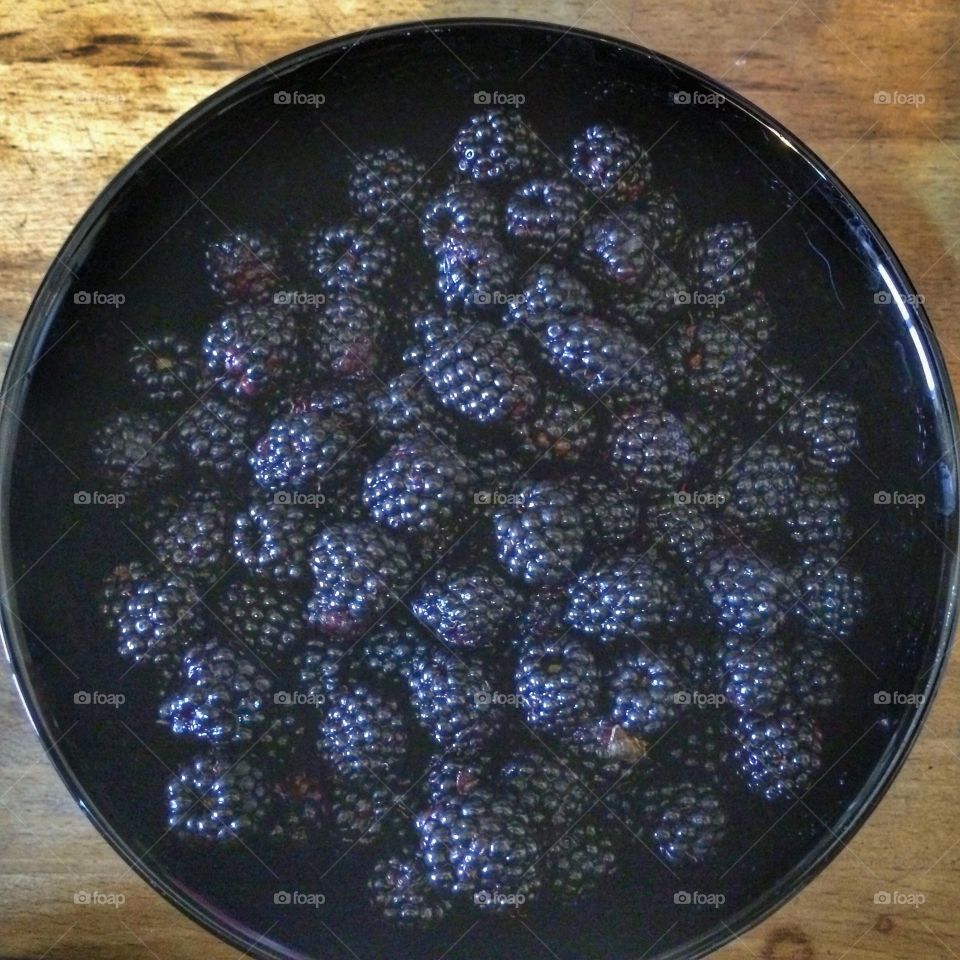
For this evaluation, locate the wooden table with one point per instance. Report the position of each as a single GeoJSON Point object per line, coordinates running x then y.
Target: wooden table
{"type": "Point", "coordinates": [86, 84]}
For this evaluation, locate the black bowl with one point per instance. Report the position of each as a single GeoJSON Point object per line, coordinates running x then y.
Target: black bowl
{"type": "Point", "coordinates": [265, 145]}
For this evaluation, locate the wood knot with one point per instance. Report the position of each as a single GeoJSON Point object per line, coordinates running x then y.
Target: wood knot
{"type": "Point", "coordinates": [787, 943]}
{"type": "Point", "coordinates": [884, 924]}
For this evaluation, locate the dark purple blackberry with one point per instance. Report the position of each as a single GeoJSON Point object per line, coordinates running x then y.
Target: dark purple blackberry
{"type": "Point", "coordinates": [579, 860]}
{"type": "Point", "coordinates": [748, 595]}
{"type": "Point", "coordinates": [482, 375]}
{"type": "Point", "coordinates": [561, 428]}
{"type": "Point", "coordinates": [305, 452]}
{"type": "Point", "coordinates": [132, 452]}
{"type": "Point", "coordinates": [612, 510]}
{"type": "Point", "coordinates": [495, 469]}
{"type": "Point", "coordinates": [468, 608]}
{"type": "Point", "coordinates": [558, 683]}
{"type": "Point", "coordinates": [611, 163]}
{"type": "Point", "coordinates": [829, 595]}
{"type": "Point", "coordinates": [405, 407]}
{"type": "Point", "coordinates": [686, 530]}
{"type": "Point", "coordinates": [708, 359]}
{"type": "Point", "coordinates": [709, 437]}
{"type": "Point", "coordinates": [646, 309]}
{"type": "Point", "coordinates": [464, 210]}
{"type": "Point", "coordinates": [539, 618]}
{"type": "Point", "coordinates": [118, 586]}
{"type": "Point", "coordinates": [346, 402]}
{"type": "Point", "coordinates": [619, 248]}
{"type": "Point", "coordinates": [686, 821]}
{"type": "Point", "coordinates": [495, 147]}
{"type": "Point", "coordinates": [165, 368]}
{"type": "Point", "coordinates": [454, 701]}
{"type": "Point", "coordinates": [363, 734]}
{"type": "Point", "coordinates": [401, 894]}
{"type": "Point", "coordinates": [223, 697]}
{"type": "Point", "coordinates": [387, 183]}
{"type": "Point", "coordinates": [216, 435]}
{"type": "Point", "coordinates": [243, 266]}
{"type": "Point", "coordinates": [756, 674]}
{"type": "Point", "coordinates": [449, 777]}
{"type": "Point", "coordinates": [608, 754]}
{"type": "Point", "coordinates": [817, 518]}
{"type": "Point", "coordinates": [541, 535]}
{"type": "Point", "coordinates": [824, 425]}
{"type": "Point", "coordinates": [195, 541]}
{"type": "Point", "coordinates": [347, 338]}
{"type": "Point", "coordinates": [665, 212]}
{"type": "Point", "coordinates": [544, 215]}
{"type": "Point", "coordinates": [549, 791]}
{"type": "Point", "coordinates": [474, 274]}
{"type": "Point", "coordinates": [252, 350]}
{"type": "Point", "coordinates": [272, 540]}
{"type": "Point", "coordinates": [263, 619]}
{"type": "Point", "coordinates": [779, 755]}
{"type": "Point", "coordinates": [752, 319]}
{"type": "Point", "coordinates": [161, 615]}
{"type": "Point", "coordinates": [547, 292]}
{"type": "Point", "coordinates": [358, 572]}
{"type": "Point", "coordinates": [302, 801]}
{"type": "Point", "coordinates": [644, 688]}
{"type": "Point", "coordinates": [698, 744]}
{"type": "Point", "coordinates": [775, 390]}
{"type": "Point", "coordinates": [619, 599]}
{"type": "Point", "coordinates": [419, 486]}
{"type": "Point", "coordinates": [218, 798]}
{"type": "Point", "coordinates": [364, 809]}
{"type": "Point", "coordinates": [815, 679]}
{"type": "Point", "coordinates": [760, 484]}
{"type": "Point", "coordinates": [389, 651]}
{"type": "Point", "coordinates": [321, 667]}
{"type": "Point", "coordinates": [721, 260]}
{"type": "Point", "coordinates": [651, 450]}
{"type": "Point", "coordinates": [353, 257]}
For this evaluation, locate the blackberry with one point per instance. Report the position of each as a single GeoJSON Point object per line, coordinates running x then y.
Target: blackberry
{"type": "Point", "coordinates": [815, 679]}
{"type": "Point", "coordinates": [389, 651]}
{"type": "Point", "coordinates": [347, 340]}
{"type": "Point", "coordinates": [829, 595]}
{"type": "Point", "coordinates": [687, 821]}
{"type": "Point", "coordinates": [345, 402]}
{"type": "Point", "coordinates": [358, 572]}
{"type": "Point", "coordinates": [252, 350]}
{"type": "Point", "coordinates": [548, 791]}
{"type": "Point", "coordinates": [216, 435]}
{"type": "Point", "coordinates": [817, 518]}
{"type": "Point", "coordinates": [469, 608]}
{"type": "Point", "coordinates": [364, 808]}
{"type": "Point", "coordinates": [619, 599]}
{"type": "Point", "coordinates": [708, 359]}
{"type": "Point", "coordinates": [164, 367]}
{"type": "Point", "coordinates": [406, 406]}
{"type": "Point", "coordinates": [418, 486]}
{"type": "Point", "coordinates": [752, 319]}
{"type": "Point", "coordinates": [474, 273]}
{"type": "Point", "coordinates": [696, 745]}
{"type": "Point", "coordinates": [224, 698]}
{"type": "Point", "coordinates": [644, 688]}
{"type": "Point", "coordinates": [272, 540]}
{"type": "Point", "coordinates": [543, 215]}
{"type": "Point", "coordinates": [302, 806]}
{"type": "Point", "coordinates": [363, 733]}
{"type": "Point", "coordinates": [482, 375]}
{"type": "Point", "coordinates": [747, 594]}
{"type": "Point", "coordinates": [263, 619]}
{"type": "Point", "coordinates": [160, 616]}
{"type": "Point", "coordinates": [495, 469]}
{"type": "Point", "coordinates": [761, 484]}
{"type": "Point", "coordinates": [387, 183]}
{"type": "Point", "coordinates": [650, 448]}
{"type": "Point", "coordinates": [401, 894]}
{"type": "Point", "coordinates": [608, 753]}
{"type": "Point", "coordinates": [776, 390]}
{"type": "Point", "coordinates": [132, 452]}
{"type": "Point", "coordinates": [756, 675]}
{"type": "Point", "coordinates": [579, 860]}
{"type": "Point", "coordinates": [352, 257]}
{"type": "Point", "coordinates": [646, 309]}
{"type": "Point", "coordinates": [450, 777]}
{"type": "Point", "coordinates": [243, 266]}
{"type": "Point", "coordinates": [611, 163]}
{"type": "Point", "coordinates": [541, 536]}
{"type": "Point", "coordinates": [562, 428]}
{"type": "Point", "coordinates": [619, 247]}
{"type": "Point", "coordinates": [464, 210]}
{"type": "Point", "coordinates": [824, 425]}
{"type": "Point", "coordinates": [540, 618]}
{"type": "Point", "coordinates": [779, 755]}
{"type": "Point", "coordinates": [721, 260]}
{"type": "Point", "coordinates": [548, 293]}
{"type": "Point", "coordinates": [304, 452]}
{"type": "Point", "coordinates": [686, 530]}
{"type": "Point", "coordinates": [557, 683]}
{"type": "Point", "coordinates": [195, 541]}
{"type": "Point", "coordinates": [612, 510]}
{"type": "Point", "coordinates": [218, 798]}
{"type": "Point", "coordinates": [117, 588]}
{"type": "Point", "coordinates": [320, 667]}
{"type": "Point", "coordinates": [495, 146]}
{"type": "Point", "coordinates": [665, 212]}
{"type": "Point", "coordinates": [454, 703]}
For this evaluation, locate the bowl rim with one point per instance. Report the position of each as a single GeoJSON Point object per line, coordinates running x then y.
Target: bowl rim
{"type": "Point", "coordinates": [58, 278]}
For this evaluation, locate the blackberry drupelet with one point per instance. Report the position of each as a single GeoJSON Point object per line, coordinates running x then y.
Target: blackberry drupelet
{"type": "Point", "coordinates": [721, 260]}
{"type": "Point", "coordinates": [612, 510]}
{"type": "Point", "coordinates": [387, 184]}
{"type": "Point", "coordinates": [647, 309]}
{"type": "Point", "coordinates": [405, 407]}
{"type": "Point", "coordinates": [824, 425]}
{"type": "Point", "coordinates": [619, 248]}
{"type": "Point", "coordinates": [344, 401]}
{"type": "Point", "coordinates": [117, 588]}
{"type": "Point", "coordinates": [351, 258]}
{"type": "Point", "coordinates": [611, 163]}
{"type": "Point", "coordinates": [665, 212]}
{"type": "Point", "coordinates": [389, 651]}
{"type": "Point", "coordinates": [547, 293]}
{"type": "Point", "coordinates": [243, 266]}
{"type": "Point", "coordinates": [549, 791]}
{"type": "Point", "coordinates": [752, 319]}
{"type": "Point", "coordinates": [216, 434]}
{"type": "Point", "coordinates": [495, 469]}
{"type": "Point", "coordinates": [161, 615]}
{"type": "Point", "coordinates": [474, 274]}
{"type": "Point", "coordinates": [449, 777]}
{"type": "Point", "coordinates": [698, 744]}
{"type": "Point", "coordinates": [708, 359]}
{"type": "Point", "coordinates": [748, 595]}
{"type": "Point", "coordinates": [757, 674]}
{"type": "Point", "coordinates": [195, 542]}
{"type": "Point", "coordinates": [829, 596]}
{"type": "Point", "coordinates": [650, 449]}
{"type": "Point", "coordinates": [348, 338]}
{"type": "Point", "coordinates": [464, 210]}
{"type": "Point", "coordinates": [132, 452]}
{"type": "Point", "coordinates": [645, 689]}
{"type": "Point", "coordinates": [364, 810]}
{"type": "Point", "coordinates": [579, 860]}
{"type": "Point", "coordinates": [495, 147]}
{"type": "Point", "coordinates": [321, 667]}
{"type": "Point", "coordinates": [817, 518]}
{"type": "Point", "coordinates": [776, 390]}
{"type": "Point", "coordinates": [164, 367]}
{"type": "Point", "coordinates": [272, 540]}
{"type": "Point", "coordinates": [544, 215]}
{"type": "Point", "coordinates": [264, 619]}
{"type": "Point", "coordinates": [815, 679]}
{"type": "Point", "coordinates": [687, 821]}
{"type": "Point", "coordinates": [561, 429]}
{"type": "Point", "coordinates": [687, 531]}
{"type": "Point", "coordinates": [558, 683]}
{"type": "Point", "coordinates": [401, 894]}
{"type": "Point", "coordinates": [760, 484]}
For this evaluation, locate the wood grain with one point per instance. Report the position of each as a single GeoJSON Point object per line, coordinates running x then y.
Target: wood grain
{"type": "Point", "coordinates": [83, 85]}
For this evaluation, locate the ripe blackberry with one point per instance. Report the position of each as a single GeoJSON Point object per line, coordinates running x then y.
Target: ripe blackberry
{"type": "Point", "coordinates": [418, 486]}
{"type": "Point", "coordinates": [468, 608]}
{"type": "Point", "coordinates": [619, 248]}
{"type": "Point", "coordinates": [363, 733]}
{"type": "Point", "coordinates": [216, 435]}
{"type": "Point", "coordinates": [612, 510]}
{"type": "Point", "coordinates": [272, 540]}
{"type": "Point", "coordinates": [223, 698]}
{"type": "Point", "coordinates": [495, 146]}
{"type": "Point", "coordinates": [548, 293]}
{"type": "Point", "coordinates": [824, 425]}
{"type": "Point", "coordinates": [760, 484]}
{"type": "Point", "coordinates": [132, 452]}
{"type": "Point", "coordinates": [482, 375]}
{"type": "Point", "coordinates": [405, 407]}
{"type": "Point", "coordinates": [686, 530]}
{"type": "Point", "coordinates": [449, 777]}
{"type": "Point", "coordinates": [618, 599]}
{"type": "Point", "coordinates": [752, 319]}
{"type": "Point", "coordinates": [644, 688]}
{"type": "Point", "coordinates": [829, 595]}
{"type": "Point", "coordinates": [387, 183]}
{"type": "Point", "coordinates": [541, 536]}
{"type": "Point", "coordinates": [650, 448]}
{"type": "Point", "coordinates": [721, 260]}
{"type": "Point", "coordinates": [548, 791]}
{"type": "Point", "coordinates": [775, 390]}
{"type": "Point", "coordinates": [647, 309]}
{"type": "Point", "coordinates": [347, 339]}
{"type": "Point", "coordinates": [815, 679]}
{"type": "Point", "coordinates": [779, 755]}
{"type": "Point", "coordinates": [195, 541]}
{"type": "Point", "coordinates": [243, 266]}
{"type": "Point", "coordinates": [747, 594]}
{"type": "Point", "coordinates": [262, 618]}
{"type": "Point", "coordinates": [252, 350]}
{"type": "Point", "coordinates": [389, 651]}
{"type": "Point", "coordinates": [164, 367]}
{"type": "Point", "coordinates": [346, 402]}
{"type": "Point", "coordinates": [495, 470]}
{"type": "Point", "coordinates": [539, 618]}
{"type": "Point", "coordinates": [364, 809]}
{"type": "Point", "coordinates": [305, 452]}
{"type": "Point", "coordinates": [161, 614]}
{"type": "Point", "coordinates": [561, 429]}
{"type": "Point", "coordinates": [610, 162]}
{"type": "Point", "coordinates": [608, 753]}
{"type": "Point", "coordinates": [543, 215]}
{"type": "Point", "coordinates": [358, 572]}
{"type": "Point", "coordinates": [352, 257]}
{"type": "Point", "coordinates": [217, 798]}
{"type": "Point", "coordinates": [401, 894]}
{"type": "Point", "coordinates": [817, 518]}
{"type": "Point", "coordinates": [321, 667]}
{"type": "Point", "coordinates": [558, 683]}
{"type": "Point", "coordinates": [667, 217]}
{"type": "Point", "coordinates": [698, 744]}
{"type": "Point", "coordinates": [707, 359]}
{"type": "Point", "coordinates": [474, 273]}
{"type": "Point", "coordinates": [579, 860]}
{"type": "Point", "coordinates": [756, 674]}
{"type": "Point", "coordinates": [301, 801]}
{"type": "Point", "coordinates": [687, 821]}
{"type": "Point", "coordinates": [454, 703]}
{"type": "Point", "coordinates": [464, 210]}
{"type": "Point", "coordinates": [117, 588]}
